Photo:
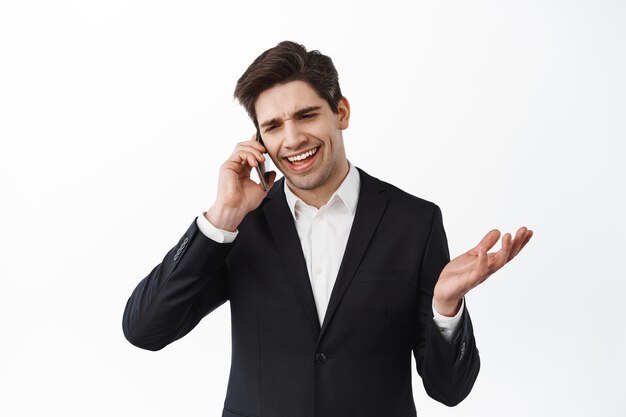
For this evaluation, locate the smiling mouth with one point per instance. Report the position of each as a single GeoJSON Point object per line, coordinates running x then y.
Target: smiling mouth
{"type": "Point", "coordinates": [303, 156]}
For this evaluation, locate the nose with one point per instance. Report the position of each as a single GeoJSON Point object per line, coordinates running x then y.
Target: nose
{"type": "Point", "coordinates": [294, 137]}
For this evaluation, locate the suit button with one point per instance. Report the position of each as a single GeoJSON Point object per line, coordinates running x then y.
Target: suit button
{"type": "Point", "coordinates": [320, 358]}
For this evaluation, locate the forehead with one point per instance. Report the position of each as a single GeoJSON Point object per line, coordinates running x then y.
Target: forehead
{"type": "Point", "coordinates": [281, 100]}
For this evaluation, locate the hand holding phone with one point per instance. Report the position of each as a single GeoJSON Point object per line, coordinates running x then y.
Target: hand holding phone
{"type": "Point", "coordinates": [237, 192]}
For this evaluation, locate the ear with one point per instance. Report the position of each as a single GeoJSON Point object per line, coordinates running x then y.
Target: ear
{"type": "Point", "coordinates": [343, 107]}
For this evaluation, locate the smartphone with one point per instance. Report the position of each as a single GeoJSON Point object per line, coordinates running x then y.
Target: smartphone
{"type": "Point", "coordinates": [261, 169]}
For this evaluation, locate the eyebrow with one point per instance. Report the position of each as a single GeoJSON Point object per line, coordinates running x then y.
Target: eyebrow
{"type": "Point", "coordinates": [297, 113]}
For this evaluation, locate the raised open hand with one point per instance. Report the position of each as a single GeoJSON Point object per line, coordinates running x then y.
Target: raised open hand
{"type": "Point", "coordinates": [473, 267]}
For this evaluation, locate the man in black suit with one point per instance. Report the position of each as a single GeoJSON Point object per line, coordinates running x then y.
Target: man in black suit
{"type": "Point", "coordinates": [333, 276]}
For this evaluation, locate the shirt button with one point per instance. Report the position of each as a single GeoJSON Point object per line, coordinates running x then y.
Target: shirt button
{"type": "Point", "coordinates": [320, 358]}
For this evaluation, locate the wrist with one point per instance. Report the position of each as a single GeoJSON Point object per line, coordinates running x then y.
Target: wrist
{"type": "Point", "coordinates": [224, 218]}
{"type": "Point", "coordinates": [447, 308]}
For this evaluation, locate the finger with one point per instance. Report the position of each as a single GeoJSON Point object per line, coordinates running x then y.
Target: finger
{"type": "Point", "coordinates": [487, 242]}
{"type": "Point", "coordinates": [527, 238]}
{"type": "Point", "coordinates": [253, 143]}
{"type": "Point", "coordinates": [517, 242]}
{"type": "Point", "coordinates": [521, 241]}
{"type": "Point", "coordinates": [270, 177]}
{"type": "Point", "coordinates": [240, 167]}
{"type": "Point", "coordinates": [246, 157]}
{"type": "Point", "coordinates": [247, 160]}
{"type": "Point", "coordinates": [242, 147]}
{"type": "Point", "coordinates": [480, 272]}
{"type": "Point", "coordinates": [500, 258]}
{"type": "Point", "coordinates": [240, 164]}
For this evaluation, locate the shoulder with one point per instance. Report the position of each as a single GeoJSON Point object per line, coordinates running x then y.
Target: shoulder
{"type": "Point", "coordinates": [398, 198]}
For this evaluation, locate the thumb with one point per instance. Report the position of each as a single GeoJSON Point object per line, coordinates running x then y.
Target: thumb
{"type": "Point", "coordinates": [270, 177]}
{"type": "Point", "coordinates": [487, 242]}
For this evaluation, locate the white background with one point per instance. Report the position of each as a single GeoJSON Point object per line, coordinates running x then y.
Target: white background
{"type": "Point", "coordinates": [115, 117]}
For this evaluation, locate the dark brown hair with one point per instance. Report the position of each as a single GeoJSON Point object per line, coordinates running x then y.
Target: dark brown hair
{"type": "Point", "coordinates": [288, 61]}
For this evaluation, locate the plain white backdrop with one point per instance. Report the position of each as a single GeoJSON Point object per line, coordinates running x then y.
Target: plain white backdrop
{"type": "Point", "coordinates": [115, 117]}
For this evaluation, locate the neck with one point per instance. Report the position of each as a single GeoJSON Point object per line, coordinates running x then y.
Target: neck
{"type": "Point", "coordinates": [320, 196]}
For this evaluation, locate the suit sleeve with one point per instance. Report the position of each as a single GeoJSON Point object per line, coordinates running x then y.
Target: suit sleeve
{"type": "Point", "coordinates": [190, 282]}
{"type": "Point", "coordinates": [448, 370]}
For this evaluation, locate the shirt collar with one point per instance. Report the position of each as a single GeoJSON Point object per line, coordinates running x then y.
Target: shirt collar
{"type": "Point", "coordinates": [348, 193]}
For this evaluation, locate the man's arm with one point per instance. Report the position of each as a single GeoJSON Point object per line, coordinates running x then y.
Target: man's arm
{"type": "Point", "coordinates": [454, 367]}
{"type": "Point", "coordinates": [448, 369]}
{"type": "Point", "coordinates": [190, 282]}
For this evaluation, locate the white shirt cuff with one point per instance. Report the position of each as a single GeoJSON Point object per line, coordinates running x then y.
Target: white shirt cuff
{"type": "Point", "coordinates": [213, 233]}
{"type": "Point", "coordinates": [448, 326]}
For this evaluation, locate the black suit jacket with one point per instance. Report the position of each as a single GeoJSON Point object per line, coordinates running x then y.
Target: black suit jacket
{"type": "Point", "coordinates": [358, 363]}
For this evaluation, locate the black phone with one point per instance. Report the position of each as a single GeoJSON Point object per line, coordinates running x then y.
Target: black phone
{"type": "Point", "coordinates": [260, 169]}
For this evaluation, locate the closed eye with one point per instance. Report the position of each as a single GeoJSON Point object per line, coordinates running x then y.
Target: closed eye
{"type": "Point", "coordinates": [302, 116]}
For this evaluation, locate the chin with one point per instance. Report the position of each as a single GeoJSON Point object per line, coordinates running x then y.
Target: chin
{"type": "Point", "coordinates": [311, 181]}
{"type": "Point", "coordinates": [301, 183]}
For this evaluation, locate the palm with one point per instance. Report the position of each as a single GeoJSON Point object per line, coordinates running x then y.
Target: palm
{"type": "Point", "coordinates": [459, 273]}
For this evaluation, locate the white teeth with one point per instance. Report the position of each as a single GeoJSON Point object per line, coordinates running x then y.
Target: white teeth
{"type": "Point", "coordinates": [302, 156]}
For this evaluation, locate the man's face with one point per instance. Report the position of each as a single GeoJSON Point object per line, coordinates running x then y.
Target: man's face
{"type": "Point", "coordinates": [295, 121]}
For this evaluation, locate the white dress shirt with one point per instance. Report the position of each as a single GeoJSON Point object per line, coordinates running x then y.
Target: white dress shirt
{"type": "Point", "coordinates": [323, 235]}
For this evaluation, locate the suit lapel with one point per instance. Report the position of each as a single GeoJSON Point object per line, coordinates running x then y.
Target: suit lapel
{"type": "Point", "coordinates": [283, 229]}
{"type": "Point", "coordinates": [369, 211]}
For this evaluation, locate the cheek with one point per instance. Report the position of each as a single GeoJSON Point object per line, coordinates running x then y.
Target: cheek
{"type": "Point", "coordinates": [323, 133]}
